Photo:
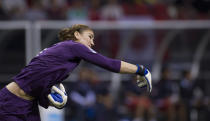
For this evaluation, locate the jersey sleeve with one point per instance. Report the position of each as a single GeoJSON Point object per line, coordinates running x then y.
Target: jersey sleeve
{"type": "Point", "coordinates": [95, 58]}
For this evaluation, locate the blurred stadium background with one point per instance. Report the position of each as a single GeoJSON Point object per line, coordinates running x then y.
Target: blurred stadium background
{"type": "Point", "coordinates": [170, 37]}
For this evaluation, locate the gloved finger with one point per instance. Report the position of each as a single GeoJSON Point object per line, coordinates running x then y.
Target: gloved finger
{"type": "Point", "coordinates": [148, 85]}
{"type": "Point", "coordinates": [149, 81]}
{"type": "Point", "coordinates": [57, 90]}
{"type": "Point", "coordinates": [54, 102]}
{"type": "Point", "coordinates": [142, 84]}
{"type": "Point", "coordinates": [57, 97]}
{"type": "Point", "coordinates": [62, 87]}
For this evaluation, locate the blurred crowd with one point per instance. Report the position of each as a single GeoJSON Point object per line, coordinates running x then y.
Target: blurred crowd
{"type": "Point", "coordinates": [104, 9]}
{"type": "Point", "coordinates": [171, 100]}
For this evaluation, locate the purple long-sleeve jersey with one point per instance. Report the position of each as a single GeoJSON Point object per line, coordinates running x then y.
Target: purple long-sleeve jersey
{"type": "Point", "coordinates": [54, 64]}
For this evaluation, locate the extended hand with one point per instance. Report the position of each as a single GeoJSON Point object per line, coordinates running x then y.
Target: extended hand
{"type": "Point", "coordinates": [58, 97]}
{"type": "Point", "coordinates": [144, 78]}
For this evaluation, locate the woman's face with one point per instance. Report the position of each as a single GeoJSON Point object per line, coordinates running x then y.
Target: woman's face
{"type": "Point", "coordinates": [86, 37]}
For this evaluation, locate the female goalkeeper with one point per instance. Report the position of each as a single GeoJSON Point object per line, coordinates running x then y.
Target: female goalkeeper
{"type": "Point", "coordinates": [32, 86]}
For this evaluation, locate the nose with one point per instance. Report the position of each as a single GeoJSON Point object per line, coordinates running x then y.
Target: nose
{"type": "Point", "coordinates": [92, 42]}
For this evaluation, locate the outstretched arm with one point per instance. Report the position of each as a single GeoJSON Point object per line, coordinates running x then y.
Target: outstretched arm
{"type": "Point", "coordinates": [95, 58]}
{"type": "Point", "coordinates": [113, 65]}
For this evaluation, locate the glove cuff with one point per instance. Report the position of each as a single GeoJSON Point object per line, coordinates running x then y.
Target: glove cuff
{"type": "Point", "coordinates": [140, 70]}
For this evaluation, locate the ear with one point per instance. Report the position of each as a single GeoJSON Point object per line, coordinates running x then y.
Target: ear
{"type": "Point", "coordinates": [77, 34]}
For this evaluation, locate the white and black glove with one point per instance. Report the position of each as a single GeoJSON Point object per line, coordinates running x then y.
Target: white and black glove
{"type": "Point", "coordinates": [144, 78]}
{"type": "Point", "coordinates": [58, 97]}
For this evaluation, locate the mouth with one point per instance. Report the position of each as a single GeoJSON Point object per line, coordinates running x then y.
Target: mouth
{"type": "Point", "coordinates": [90, 45]}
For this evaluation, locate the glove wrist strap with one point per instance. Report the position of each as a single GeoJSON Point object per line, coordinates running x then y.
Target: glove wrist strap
{"type": "Point", "coordinates": [140, 70]}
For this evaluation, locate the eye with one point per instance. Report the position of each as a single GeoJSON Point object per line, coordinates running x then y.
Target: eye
{"type": "Point", "coordinates": [90, 36]}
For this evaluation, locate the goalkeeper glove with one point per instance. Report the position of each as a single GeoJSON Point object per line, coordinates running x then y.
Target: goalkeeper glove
{"type": "Point", "coordinates": [144, 78]}
{"type": "Point", "coordinates": [58, 97]}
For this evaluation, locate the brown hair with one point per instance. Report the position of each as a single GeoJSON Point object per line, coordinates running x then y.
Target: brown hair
{"type": "Point", "coordinates": [68, 33]}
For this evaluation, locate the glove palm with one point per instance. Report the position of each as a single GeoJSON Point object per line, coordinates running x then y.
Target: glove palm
{"type": "Point", "coordinates": [58, 97]}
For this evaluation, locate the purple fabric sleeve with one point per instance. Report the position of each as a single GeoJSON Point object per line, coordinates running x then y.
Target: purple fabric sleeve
{"type": "Point", "coordinates": [93, 57]}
